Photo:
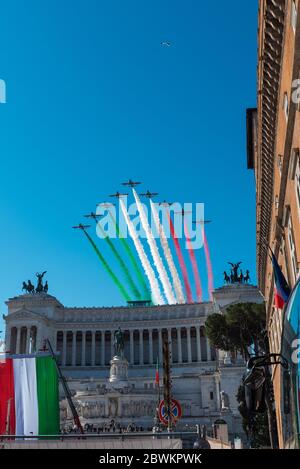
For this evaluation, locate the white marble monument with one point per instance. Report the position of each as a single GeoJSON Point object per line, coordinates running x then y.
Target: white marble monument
{"type": "Point", "coordinates": [106, 387]}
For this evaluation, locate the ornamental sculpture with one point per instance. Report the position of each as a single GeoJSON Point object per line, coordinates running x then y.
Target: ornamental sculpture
{"type": "Point", "coordinates": [40, 288]}
{"type": "Point", "coordinates": [119, 343]}
{"type": "Point", "coordinates": [236, 275]}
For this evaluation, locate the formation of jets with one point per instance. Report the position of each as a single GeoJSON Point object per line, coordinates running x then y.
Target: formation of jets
{"type": "Point", "coordinates": [182, 212]}
{"type": "Point", "coordinates": [118, 195]}
{"type": "Point", "coordinates": [131, 183]}
{"type": "Point", "coordinates": [148, 194]}
{"type": "Point", "coordinates": [93, 216]}
{"type": "Point", "coordinates": [202, 222]}
{"type": "Point", "coordinates": [165, 203]}
{"type": "Point", "coordinates": [81, 227]}
{"type": "Point", "coordinates": [166, 43]}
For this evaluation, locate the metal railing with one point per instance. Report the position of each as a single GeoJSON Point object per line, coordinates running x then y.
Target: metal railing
{"type": "Point", "coordinates": [104, 435]}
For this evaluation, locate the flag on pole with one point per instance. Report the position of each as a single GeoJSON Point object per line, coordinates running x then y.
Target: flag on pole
{"type": "Point", "coordinates": [282, 289]}
{"type": "Point", "coordinates": [157, 373]}
{"type": "Point", "coordinates": [29, 403]}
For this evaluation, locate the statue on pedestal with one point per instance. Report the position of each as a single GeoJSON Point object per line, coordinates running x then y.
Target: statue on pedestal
{"type": "Point", "coordinates": [118, 365]}
{"type": "Point", "coordinates": [119, 343]}
{"type": "Point", "coordinates": [28, 287]}
{"type": "Point", "coordinates": [40, 288]}
{"type": "Point", "coordinates": [234, 271]}
{"type": "Point", "coordinates": [236, 275]}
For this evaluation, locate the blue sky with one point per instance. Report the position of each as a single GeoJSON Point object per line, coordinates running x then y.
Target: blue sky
{"type": "Point", "coordinates": [93, 99]}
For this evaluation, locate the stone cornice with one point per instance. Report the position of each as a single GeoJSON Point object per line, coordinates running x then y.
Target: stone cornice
{"type": "Point", "coordinates": [130, 325]}
{"type": "Point", "coordinates": [139, 310]}
{"type": "Point", "coordinates": [123, 315]}
{"type": "Point", "coordinates": [34, 299]}
{"type": "Point", "coordinates": [271, 37]}
{"type": "Point", "coordinates": [26, 314]}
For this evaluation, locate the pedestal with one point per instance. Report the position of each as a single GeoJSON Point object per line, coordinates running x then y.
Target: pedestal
{"type": "Point", "coordinates": [118, 378]}
{"type": "Point", "coordinates": [227, 359]}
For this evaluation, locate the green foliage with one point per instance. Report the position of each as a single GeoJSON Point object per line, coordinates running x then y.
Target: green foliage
{"type": "Point", "coordinates": [240, 326]}
{"type": "Point", "coordinates": [216, 328]}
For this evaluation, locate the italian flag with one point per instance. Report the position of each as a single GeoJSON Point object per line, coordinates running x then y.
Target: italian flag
{"type": "Point", "coordinates": [29, 403]}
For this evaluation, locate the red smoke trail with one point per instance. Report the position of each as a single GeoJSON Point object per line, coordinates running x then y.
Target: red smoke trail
{"type": "Point", "coordinates": [194, 264]}
{"type": "Point", "coordinates": [181, 261]}
{"type": "Point", "coordinates": [208, 266]}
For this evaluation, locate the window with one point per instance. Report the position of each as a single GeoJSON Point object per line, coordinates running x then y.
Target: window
{"type": "Point", "coordinates": [286, 105]}
{"type": "Point", "coordinates": [292, 246]}
{"type": "Point", "coordinates": [294, 16]}
{"type": "Point", "coordinates": [211, 394]}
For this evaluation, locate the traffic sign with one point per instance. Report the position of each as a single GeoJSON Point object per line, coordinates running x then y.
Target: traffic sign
{"type": "Point", "coordinates": [176, 412]}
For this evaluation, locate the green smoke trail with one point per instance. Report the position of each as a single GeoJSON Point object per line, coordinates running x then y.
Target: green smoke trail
{"type": "Point", "coordinates": [108, 269]}
{"type": "Point", "coordinates": [134, 263]}
{"type": "Point", "coordinates": [133, 287]}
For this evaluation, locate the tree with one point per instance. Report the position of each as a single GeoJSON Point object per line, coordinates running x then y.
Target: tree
{"type": "Point", "coordinates": [241, 326]}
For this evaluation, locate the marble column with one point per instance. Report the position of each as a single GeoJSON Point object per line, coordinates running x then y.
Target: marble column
{"type": "Point", "coordinates": [208, 349]}
{"type": "Point", "coordinates": [141, 341]}
{"type": "Point", "coordinates": [28, 340]}
{"type": "Point", "coordinates": [170, 344]}
{"type": "Point", "coordinates": [33, 339]}
{"type": "Point", "coordinates": [64, 349]}
{"type": "Point", "coordinates": [131, 347]}
{"type": "Point", "coordinates": [179, 345]}
{"type": "Point", "coordinates": [102, 348]}
{"type": "Point", "coordinates": [189, 348]}
{"type": "Point", "coordinates": [18, 341]}
{"type": "Point", "coordinates": [198, 343]}
{"type": "Point", "coordinates": [83, 345]}
{"type": "Point", "coordinates": [160, 350]}
{"type": "Point", "coordinates": [93, 347]}
{"type": "Point", "coordinates": [150, 346]}
{"type": "Point", "coordinates": [74, 337]}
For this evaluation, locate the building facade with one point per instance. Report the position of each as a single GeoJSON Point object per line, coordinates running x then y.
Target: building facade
{"type": "Point", "coordinates": [273, 133]}
{"type": "Point", "coordinates": [203, 381]}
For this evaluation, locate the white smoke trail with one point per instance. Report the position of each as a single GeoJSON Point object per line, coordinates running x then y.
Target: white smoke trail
{"type": "Point", "coordinates": [155, 253]}
{"type": "Point", "coordinates": [154, 285]}
{"type": "Point", "coordinates": [168, 255]}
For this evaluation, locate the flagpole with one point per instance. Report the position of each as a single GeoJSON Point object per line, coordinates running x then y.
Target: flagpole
{"type": "Point", "coordinates": [7, 426]}
{"type": "Point", "coordinates": [158, 392]}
